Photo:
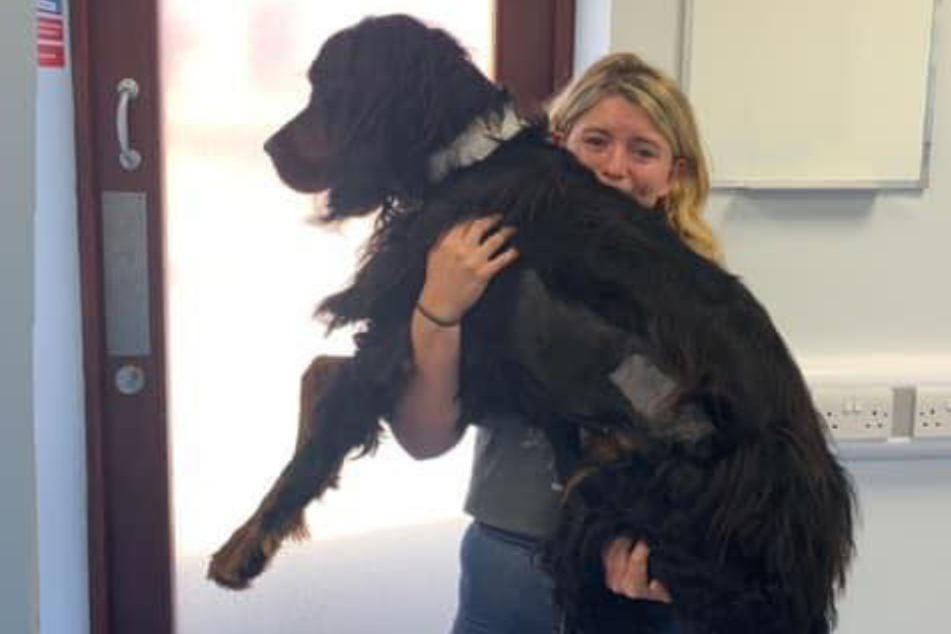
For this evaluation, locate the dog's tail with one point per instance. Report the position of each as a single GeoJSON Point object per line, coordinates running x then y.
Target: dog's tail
{"type": "Point", "coordinates": [329, 430]}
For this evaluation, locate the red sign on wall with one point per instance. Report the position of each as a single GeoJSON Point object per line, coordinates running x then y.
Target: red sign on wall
{"type": "Point", "coordinates": [50, 34]}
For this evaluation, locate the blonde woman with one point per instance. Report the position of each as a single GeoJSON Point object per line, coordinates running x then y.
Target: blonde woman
{"type": "Point", "coordinates": [633, 126]}
{"type": "Point", "coordinates": [634, 129]}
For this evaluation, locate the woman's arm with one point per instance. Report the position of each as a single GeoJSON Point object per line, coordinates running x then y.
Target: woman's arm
{"type": "Point", "coordinates": [425, 419]}
{"type": "Point", "coordinates": [458, 269]}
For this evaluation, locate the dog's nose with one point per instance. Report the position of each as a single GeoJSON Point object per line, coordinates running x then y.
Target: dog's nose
{"type": "Point", "coordinates": [269, 145]}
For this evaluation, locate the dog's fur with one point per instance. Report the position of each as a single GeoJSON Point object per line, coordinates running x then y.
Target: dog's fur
{"type": "Point", "coordinates": [729, 478]}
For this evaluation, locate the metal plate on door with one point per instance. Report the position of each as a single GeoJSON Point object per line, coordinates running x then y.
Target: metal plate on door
{"type": "Point", "coordinates": [126, 273]}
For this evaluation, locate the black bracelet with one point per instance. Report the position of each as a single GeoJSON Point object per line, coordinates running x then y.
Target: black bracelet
{"type": "Point", "coordinates": [439, 321]}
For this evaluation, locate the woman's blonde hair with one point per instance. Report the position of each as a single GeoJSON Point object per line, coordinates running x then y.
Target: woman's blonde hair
{"type": "Point", "coordinates": [626, 75]}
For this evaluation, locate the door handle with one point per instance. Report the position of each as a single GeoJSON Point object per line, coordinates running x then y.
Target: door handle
{"type": "Point", "coordinates": [129, 157]}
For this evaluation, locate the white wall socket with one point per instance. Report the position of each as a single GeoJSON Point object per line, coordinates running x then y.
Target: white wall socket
{"type": "Point", "coordinates": [932, 411]}
{"type": "Point", "coordinates": [856, 413]}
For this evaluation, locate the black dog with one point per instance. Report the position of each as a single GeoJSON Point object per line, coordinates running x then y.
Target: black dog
{"type": "Point", "coordinates": [728, 476]}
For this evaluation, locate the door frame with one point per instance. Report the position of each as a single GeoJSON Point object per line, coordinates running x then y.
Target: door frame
{"type": "Point", "coordinates": [534, 48]}
{"type": "Point", "coordinates": [129, 511]}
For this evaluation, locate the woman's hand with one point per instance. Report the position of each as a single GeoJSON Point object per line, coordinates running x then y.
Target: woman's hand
{"type": "Point", "coordinates": [625, 571]}
{"type": "Point", "coordinates": [461, 264]}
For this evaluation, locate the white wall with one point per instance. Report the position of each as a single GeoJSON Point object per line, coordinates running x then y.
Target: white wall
{"type": "Point", "coordinates": [44, 572]}
{"type": "Point", "coordinates": [857, 283]}
{"type": "Point", "coordinates": [59, 407]}
{"type": "Point", "coordinates": [19, 612]}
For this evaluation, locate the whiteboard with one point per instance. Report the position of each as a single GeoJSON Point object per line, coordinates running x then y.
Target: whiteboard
{"type": "Point", "coordinates": [811, 93]}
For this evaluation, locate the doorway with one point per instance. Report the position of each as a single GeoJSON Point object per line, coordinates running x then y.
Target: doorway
{"type": "Point", "coordinates": [186, 428]}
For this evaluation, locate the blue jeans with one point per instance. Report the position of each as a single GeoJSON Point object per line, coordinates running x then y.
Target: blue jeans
{"type": "Point", "coordinates": [501, 589]}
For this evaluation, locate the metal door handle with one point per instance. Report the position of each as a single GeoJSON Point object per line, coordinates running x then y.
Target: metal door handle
{"type": "Point", "coordinates": [129, 158]}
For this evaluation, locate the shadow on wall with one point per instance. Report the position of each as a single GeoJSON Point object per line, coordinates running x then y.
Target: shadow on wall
{"type": "Point", "coordinates": [397, 580]}
{"type": "Point", "coordinates": [829, 209]}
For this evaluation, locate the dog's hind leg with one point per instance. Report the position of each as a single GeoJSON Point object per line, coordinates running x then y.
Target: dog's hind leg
{"type": "Point", "coordinates": [252, 546]}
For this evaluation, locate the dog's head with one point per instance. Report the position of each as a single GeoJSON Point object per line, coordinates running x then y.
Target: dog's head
{"type": "Point", "coordinates": [387, 94]}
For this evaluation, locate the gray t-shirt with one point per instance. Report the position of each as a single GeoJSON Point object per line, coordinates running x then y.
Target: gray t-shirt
{"type": "Point", "coordinates": [512, 477]}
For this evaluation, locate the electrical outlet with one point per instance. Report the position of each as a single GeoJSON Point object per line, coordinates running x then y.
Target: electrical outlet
{"type": "Point", "coordinates": [932, 411]}
{"type": "Point", "coordinates": [856, 413]}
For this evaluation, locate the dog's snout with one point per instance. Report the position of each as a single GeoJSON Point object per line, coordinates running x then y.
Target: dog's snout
{"type": "Point", "coordinates": [269, 145]}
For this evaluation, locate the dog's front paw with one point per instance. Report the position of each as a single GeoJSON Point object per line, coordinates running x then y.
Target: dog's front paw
{"type": "Point", "coordinates": [243, 557]}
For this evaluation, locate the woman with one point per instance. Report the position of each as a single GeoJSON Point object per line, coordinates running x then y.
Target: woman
{"type": "Point", "coordinates": [634, 129]}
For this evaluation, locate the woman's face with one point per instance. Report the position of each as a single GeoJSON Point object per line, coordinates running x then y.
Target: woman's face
{"type": "Point", "coordinates": [617, 140]}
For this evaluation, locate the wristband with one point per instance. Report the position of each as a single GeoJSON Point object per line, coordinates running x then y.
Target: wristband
{"type": "Point", "coordinates": [439, 321]}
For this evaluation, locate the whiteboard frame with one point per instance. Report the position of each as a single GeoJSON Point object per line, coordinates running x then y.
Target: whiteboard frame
{"type": "Point", "coordinates": [920, 183]}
